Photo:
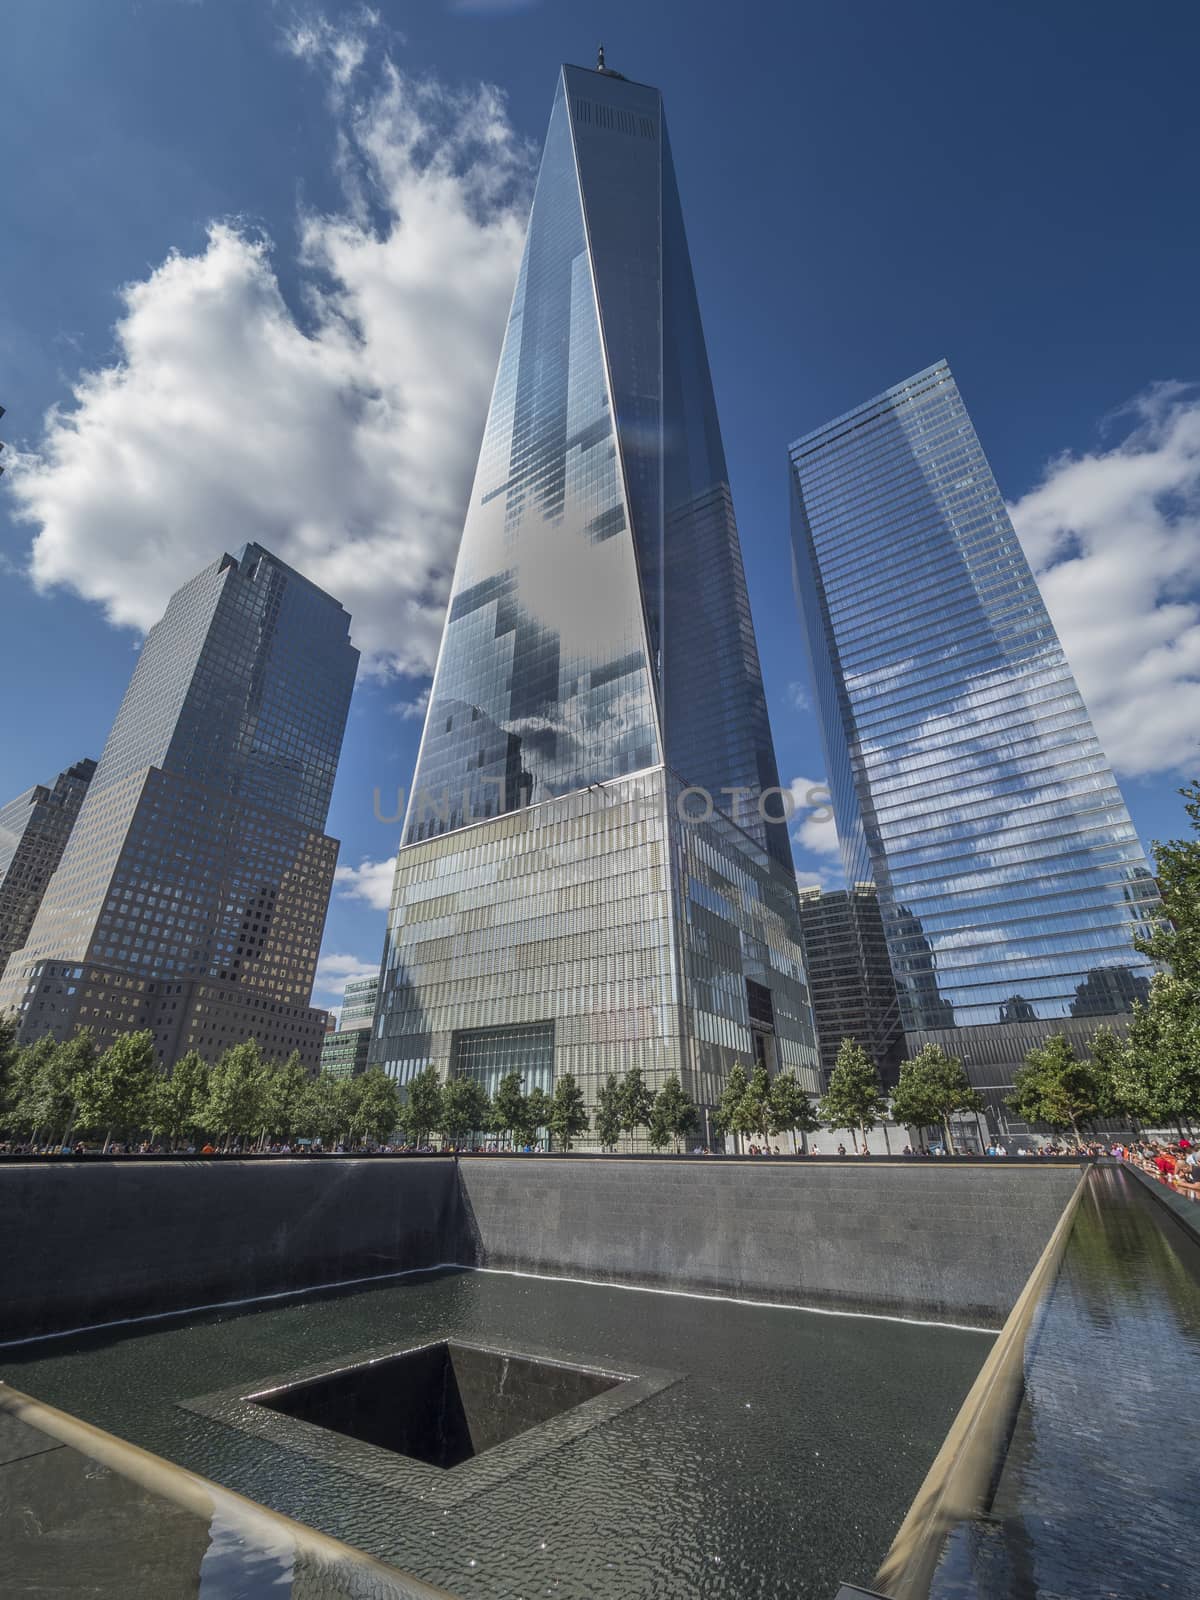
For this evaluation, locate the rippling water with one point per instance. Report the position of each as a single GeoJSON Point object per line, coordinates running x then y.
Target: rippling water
{"type": "Point", "coordinates": [781, 1464]}
{"type": "Point", "coordinates": [1098, 1495]}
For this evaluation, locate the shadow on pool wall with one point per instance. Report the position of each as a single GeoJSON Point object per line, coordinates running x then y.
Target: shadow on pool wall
{"type": "Point", "coordinates": [103, 1241]}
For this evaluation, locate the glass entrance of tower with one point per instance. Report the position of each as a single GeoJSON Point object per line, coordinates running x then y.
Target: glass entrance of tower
{"type": "Point", "coordinates": [761, 1010]}
{"type": "Point", "coordinates": [489, 1054]}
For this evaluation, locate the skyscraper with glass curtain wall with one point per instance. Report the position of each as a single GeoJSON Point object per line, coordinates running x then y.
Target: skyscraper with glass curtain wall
{"type": "Point", "coordinates": [192, 894]}
{"type": "Point", "coordinates": [595, 872]}
{"type": "Point", "coordinates": [968, 782]}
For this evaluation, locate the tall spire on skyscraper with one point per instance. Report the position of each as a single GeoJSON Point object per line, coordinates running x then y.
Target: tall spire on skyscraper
{"type": "Point", "coordinates": [598, 634]}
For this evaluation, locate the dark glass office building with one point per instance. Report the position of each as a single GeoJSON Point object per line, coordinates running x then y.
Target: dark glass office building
{"type": "Point", "coordinates": [595, 871]}
{"type": "Point", "coordinates": [34, 829]}
{"type": "Point", "coordinates": [850, 977]}
{"type": "Point", "coordinates": [191, 897]}
{"type": "Point", "coordinates": [967, 780]}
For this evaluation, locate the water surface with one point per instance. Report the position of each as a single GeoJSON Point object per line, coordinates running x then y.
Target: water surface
{"type": "Point", "coordinates": [781, 1464]}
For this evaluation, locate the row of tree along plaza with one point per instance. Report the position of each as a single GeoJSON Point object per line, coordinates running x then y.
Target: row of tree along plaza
{"type": "Point", "coordinates": [54, 1095]}
{"type": "Point", "coordinates": [58, 1096]}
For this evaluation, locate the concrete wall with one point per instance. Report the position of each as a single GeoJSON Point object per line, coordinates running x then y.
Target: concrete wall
{"type": "Point", "coordinates": [85, 1242]}
{"type": "Point", "coordinates": [92, 1242]}
{"type": "Point", "coordinates": [914, 1238]}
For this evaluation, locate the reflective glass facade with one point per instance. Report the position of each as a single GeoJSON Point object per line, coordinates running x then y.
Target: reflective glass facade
{"type": "Point", "coordinates": [967, 778]}
{"type": "Point", "coordinates": [490, 1054]}
{"type": "Point", "coordinates": [358, 1004]}
{"type": "Point", "coordinates": [850, 976]}
{"type": "Point", "coordinates": [34, 829]}
{"type": "Point", "coordinates": [344, 1053]}
{"type": "Point", "coordinates": [598, 643]}
{"type": "Point", "coordinates": [191, 898]}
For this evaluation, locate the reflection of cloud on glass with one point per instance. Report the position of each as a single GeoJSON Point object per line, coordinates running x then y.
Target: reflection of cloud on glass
{"type": "Point", "coordinates": [554, 750]}
{"type": "Point", "coordinates": [582, 591]}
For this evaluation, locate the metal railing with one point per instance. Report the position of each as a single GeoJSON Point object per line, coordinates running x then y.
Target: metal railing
{"type": "Point", "coordinates": [959, 1485]}
{"type": "Point", "coordinates": [322, 1564]}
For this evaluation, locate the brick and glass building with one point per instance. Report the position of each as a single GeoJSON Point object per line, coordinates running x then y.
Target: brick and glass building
{"type": "Point", "coordinates": [192, 894]}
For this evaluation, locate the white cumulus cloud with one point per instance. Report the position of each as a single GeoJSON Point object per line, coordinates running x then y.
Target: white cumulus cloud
{"type": "Point", "coordinates": [1114, 537]}
{"type": "Point", "coordinates": [413, 710]}
{"type": "Point", "coordinates": [812, 824]}
{"type": "Point", "coordinates": [370, 881]}
{"type": "Point", "coordinates": [336, 969]}
{"type": "Point", "coordinates": [341, 433]}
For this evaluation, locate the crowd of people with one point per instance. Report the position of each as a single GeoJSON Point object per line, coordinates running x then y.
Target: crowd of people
{"type": "Point", "coordinates": [1176, 1165]}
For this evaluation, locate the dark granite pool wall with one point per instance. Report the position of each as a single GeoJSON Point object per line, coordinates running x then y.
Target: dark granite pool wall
{"type": "Point", "coordinates": [92, 1242]}
{"type": "Point", "coordinates": [96, 1241]}
{"type": "Point", "coordinates": [914, 1238]}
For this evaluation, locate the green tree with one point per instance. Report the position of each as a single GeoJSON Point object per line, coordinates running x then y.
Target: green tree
{"type": "Point", "coordinates": [758, 1103]}
{"type": "Point", "coordinates": [608, 1113]}
{"type": "Point", "coordinates": [180, 1098]}
{"type": "Point", "coordinates": [349, 1099]}
{"type": "Point", "coordinates": [376, 1112]}
{"type": "Point", "coordinates": [116, 1093]}
{"type": "Point", "coordinates": [1176, 943]}
{"type": "Point", "coordinates": [237, 1088]}
{"type": "Point", "coordinates": [568, 1116]}
{"type": "Point", "coordinates": [673, 1115]}
{"type": "Point", "coordinates": [8, 1060]}
{"type": "Point", "coordinates": [853, 1098]}
{"type": "Point", "coordinates": [509, 1106]}
{"type": "Point", "coordinates": [635, 1102]}
{"type": "Point", "coordinates": [792, 1111]}
{"type": "Point", "coordinates": [536, 1115]}
{"type": "Point", "coordinates": [1055, 1086]}
{"type": "Point", "coordinates": [36, 1088]}
{"type": "Point", "coordinates": [932, 1087]}
{"type": "Point", "coordinates": [325, 1109]}
{"type": "Point", "coordinates": [1106, 1049]}
{"type": "Point", "coordinates": [1157, 1075]}
{"type": "Point", "coordinates": [72, 1063]}
{"type": "Point", "coordinates": [285, 1084]}
{"type": "Point", "coordinates": [466, 1108]}
{"type": "Point", "coordinates": [732, 1114]}
{"type": "Point", "coordinates": [422, 1111]}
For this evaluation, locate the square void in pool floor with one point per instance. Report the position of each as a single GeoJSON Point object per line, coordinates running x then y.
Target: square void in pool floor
{"type": "Point", "coordinates": [442, 1403]}
{"type": "Point", "coordinates": [441, 1419]}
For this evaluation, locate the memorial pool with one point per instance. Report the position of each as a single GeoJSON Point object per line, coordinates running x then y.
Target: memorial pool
{"type": "Point", "coordinates": [747, 1450]}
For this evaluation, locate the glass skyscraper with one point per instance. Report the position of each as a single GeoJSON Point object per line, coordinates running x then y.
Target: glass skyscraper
{"type": "Point", "coordinates": [34, 829]}
{"type": "Point", "coordinates": [191, 897]}
{"type": "Point", "coordinates": [967, 780]}
{"type": "Point", "coordinates": [344, 1052]}
{"type": "Point", "coordinates": [850, 977]}
{"type": "Point", "coordinates": [595, 871]}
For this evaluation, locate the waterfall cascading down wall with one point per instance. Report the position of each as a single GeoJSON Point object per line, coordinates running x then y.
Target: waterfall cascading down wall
{"type": "Point", "coordinates": [97, 1241]}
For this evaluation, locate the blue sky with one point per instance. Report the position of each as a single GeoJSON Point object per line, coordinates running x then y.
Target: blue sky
{"type": "Point", "coordinates": [259, 255]}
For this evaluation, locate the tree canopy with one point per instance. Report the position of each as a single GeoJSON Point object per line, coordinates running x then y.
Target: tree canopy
{"type": "Point", "coordinates": [1057, 1087]}
{"type": "Point", "coordinates": [423, 1106]}
{"type": "Point", "coordinates": [672, 1116]}
{"type": "Point", "coordinates": [792, 1111]}
{"type": "Point", "coordinates": [466, 1108]}
{"type": "Point", "coordinates": [1176, 943]}
{"type": "Point", "coordinates": [608, 1113]}
{"type": "Point", "coordinates": [568, 1116]}
{"type": "Point", "coordinates": [933, 1086]}
{"type": "Point", "coordinates": [853, 1098]}
{"type": "Point", "coordinates": [635, 1102]}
